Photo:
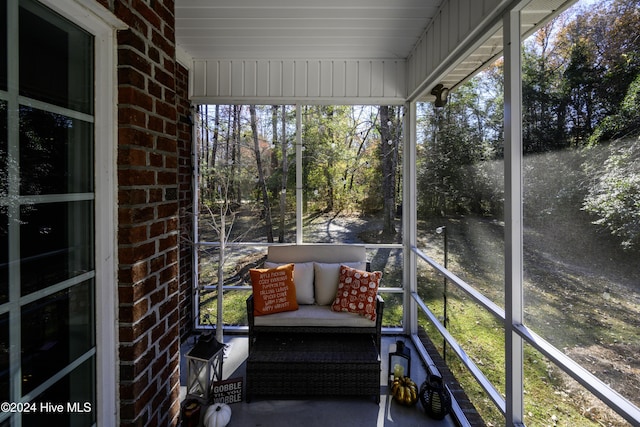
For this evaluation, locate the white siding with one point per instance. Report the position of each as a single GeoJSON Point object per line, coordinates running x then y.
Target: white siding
{"type": "Point", "coordinates": [456, 29]}
{"type": "Point", "coordinates": [308, 81]}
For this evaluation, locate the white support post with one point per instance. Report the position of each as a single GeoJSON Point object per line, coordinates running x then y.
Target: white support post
{"type": "Point", "coordinates": [195, 254]}
{"type": "Point", "coordinates": [409, 219]}
{"type": "Point", "coordinates": [513, 218]}
{"type": "Point", "coordinates": [299, 186]}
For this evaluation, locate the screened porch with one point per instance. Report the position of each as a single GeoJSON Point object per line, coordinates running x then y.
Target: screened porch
{"type": "Point", "coordinates": [336, 112]}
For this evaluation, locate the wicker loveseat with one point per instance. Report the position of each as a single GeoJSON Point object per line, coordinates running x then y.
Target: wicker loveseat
{"type": "Point", "coordinates": [314, 350]}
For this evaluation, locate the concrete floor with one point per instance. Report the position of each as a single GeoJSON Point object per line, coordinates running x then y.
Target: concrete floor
{"type": "Point", "coordinates": [321, 412]}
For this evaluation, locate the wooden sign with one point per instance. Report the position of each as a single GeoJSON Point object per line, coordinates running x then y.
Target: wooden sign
{"type": "Point", "coordinates": [228, 391]}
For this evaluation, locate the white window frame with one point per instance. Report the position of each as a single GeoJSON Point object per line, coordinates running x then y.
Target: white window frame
{"type": "Point", "coordinates": [103, 25]}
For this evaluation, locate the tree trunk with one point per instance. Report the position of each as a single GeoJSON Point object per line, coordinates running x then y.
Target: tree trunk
{"type": "Point", "coordinates": [205, 178]}
{"type": "Point", "coordinates": [285, 172]}
{"type": "Point", "coordinates": [329, 170]}
{"type": "Point", "coordinates": [274, 139]}
{"type": "Point", "coordinates": [388, 159]}
{"type": "Point", "coordinates": [235, 155]}
{"type": "Point", "coordinates": [222, 234]}
{"type": "Point", "coordinates": [261, 181]}
{"type": "Point", "coordinates": [305, 164]}
{"type": "Point", "coordinates": [211, 161]}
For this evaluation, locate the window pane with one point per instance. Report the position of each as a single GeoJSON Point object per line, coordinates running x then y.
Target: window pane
{"type": "Point", "coordinates": [56, 242]}
{"type": "Point", "coordinates": [4, 357]}
{"type": "Point", "coordinates": [64, 51]}
{"type": "Point", "coordinates": [47, 264]}
{"type": "Point", "coordinates": [3, 45]}
{"type": "Point", "coordinates": [77, 389]}
{"type": "Point", "coordinates": [473, 393]}
{"type": "Point", "coordinates": [460, 175]}
{"type": "Point", "coordinates": [4, 184]}
{"type": "Point", "coordinates": [56, 153]}
{"type": "Point", "coordinates": [581, 256]}
{"type": "Point", "coordinates": [351, 181]}
{"type": "Point", "coordinates": [351, 174]}
{"type": "Point", "coordinates": [390, 262]}
{"type": "Point", "coordinates": [243, 175]}
{"type": "Point", "coordinates": [4, 255]}
{"type": "Point", "coordinates": [4, 242]}
{"type": "Point", "coordinates": [479, 333]}
{"type": "Point", "coordinates": [460, 186]}
{"type": "Point", "coordinates": [552, 397]}
{"type": "Point", "coordinates": [55, 331]}
{"type": "Point", "coordinates": [238, 261]}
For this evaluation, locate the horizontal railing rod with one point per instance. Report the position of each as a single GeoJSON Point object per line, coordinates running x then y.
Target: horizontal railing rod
{"type": "Point", "coordinates": [610, 397]}
{"type": "Point", "coordinates": [265, 244]}
{"type": "Point", "coordinates": [484, 382]}
{"type": "Point", "coordinates": [249, 288]}
{"type": "Point", "coordinates": [391, 290]}
{"type": "Point", "coordinates": [594, 385]}
{"type": "Point", "coordinates": [492, 307]}
{"type": "Point", "coordinates": [231, 288]}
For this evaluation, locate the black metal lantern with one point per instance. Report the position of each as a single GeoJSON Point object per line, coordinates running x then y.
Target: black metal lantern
{"type": "Point", "coordinates": [400, 361]}
{"type": "Point", "coordinates": [204, 367]}
{"type": "Point", "coordinates": [435, 399]}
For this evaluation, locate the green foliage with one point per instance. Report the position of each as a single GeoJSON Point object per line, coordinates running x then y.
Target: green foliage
{"type": "Point", "coordinates": [543, 96]}
{"type": "Point", "coordinates": [456, 144]}
{"type": "Point", "coordinates": [576, 71]}
{"type": "Point", "coordinates": [553, 186]}
{"type": "Point", "coordinates": [614, 196]}
{"type": "Point", "coordinates": [341, 161]}
{"type": "Point", "coordinates": [623, 124]}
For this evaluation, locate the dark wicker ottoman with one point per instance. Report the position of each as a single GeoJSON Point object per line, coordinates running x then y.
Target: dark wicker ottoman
{"type": "Point", "coordinates": [292, 365]}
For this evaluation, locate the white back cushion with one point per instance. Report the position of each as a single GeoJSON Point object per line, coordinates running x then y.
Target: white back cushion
{"type": "Point", "coordinates": [327, 259]}
{"type": "Point", "coordinates": [310, 252]}
{"type": "Point", "coordinates": [302, 278]}
{"type": "Point", "coordinates": [327, 276]}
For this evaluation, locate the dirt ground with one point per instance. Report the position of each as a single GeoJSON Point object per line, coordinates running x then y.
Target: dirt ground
{"type": "Point", "coordinates": [582, 291]}
{"type": "Point", "coordinates": [621, 368]}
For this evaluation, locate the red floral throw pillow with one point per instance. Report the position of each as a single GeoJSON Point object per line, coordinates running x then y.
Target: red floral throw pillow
{"type": "Point", "coordinates": [357, 291]}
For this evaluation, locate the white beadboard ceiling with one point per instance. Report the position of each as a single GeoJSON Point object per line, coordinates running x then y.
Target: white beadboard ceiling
{"type": "Point", "coordinates": [268, 29]}
{"type": "Point", "coordinates": [329, 29]}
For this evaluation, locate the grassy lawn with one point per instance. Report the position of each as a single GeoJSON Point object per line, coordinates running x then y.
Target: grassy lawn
{"type": "Point", "coordinates": [565, 303]}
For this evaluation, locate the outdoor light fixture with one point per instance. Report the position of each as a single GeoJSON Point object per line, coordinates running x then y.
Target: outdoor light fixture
{"type": "Point", "coordinates": [441, 93]}
{"type": "Point", "coordinates": [443, 230]}
{"type": "Point", "coordinates": [204, 367]}
{"type": "Point", "coordinates": [400, 361]}
{"type": "Point", "coordinates": [187, 119]}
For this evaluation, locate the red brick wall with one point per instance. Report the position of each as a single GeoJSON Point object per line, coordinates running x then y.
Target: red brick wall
{"type": "Point", "coordinates": [185, 200]}
{"type": "Point", "coordinates": [148, 212]}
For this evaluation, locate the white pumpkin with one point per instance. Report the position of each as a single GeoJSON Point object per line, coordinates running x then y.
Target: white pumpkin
{"type": "Point", "coordinates": [217, 415]}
